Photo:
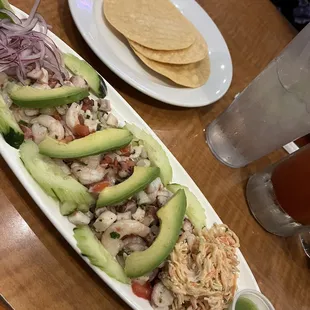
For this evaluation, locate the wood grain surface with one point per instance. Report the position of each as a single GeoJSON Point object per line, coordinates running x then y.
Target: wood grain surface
{"type": "Point", "coordinates": [38, 270]}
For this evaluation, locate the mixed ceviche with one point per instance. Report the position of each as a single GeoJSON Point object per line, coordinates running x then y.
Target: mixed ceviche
{"type": "Point", "coordinates": [112, 181]}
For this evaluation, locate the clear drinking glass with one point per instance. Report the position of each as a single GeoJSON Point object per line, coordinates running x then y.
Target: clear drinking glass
{"type": "Point", "coordinates": [279, 197]}
{"type": "Point", "coordinates": [305, 242]}
{"type": "Point", "coordinates": [271, 112]}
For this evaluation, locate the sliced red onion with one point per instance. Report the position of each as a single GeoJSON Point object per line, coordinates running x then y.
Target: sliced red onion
{"type": "Point", "coordinates": [23, 49]}
{"type": "Point", "coordinates": [26, 52]}
{"type": "Point", "coordinates": [20, 29]}
{"type": "Point", "coordinates": [20, 75]}
{"type": "Point", "coordinates": [3, 38]}
{"type": "Point", "coordinates": [42, 22]}
{"type": "Point", "coordinates": [32, 13]}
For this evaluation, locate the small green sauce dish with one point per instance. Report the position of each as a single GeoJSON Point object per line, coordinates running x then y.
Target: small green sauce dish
{"type": "Point", "coordinates": [250, 300]}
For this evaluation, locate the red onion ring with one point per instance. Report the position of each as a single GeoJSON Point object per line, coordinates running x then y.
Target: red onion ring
{"type": "Point", "coordinates": [22, 48]}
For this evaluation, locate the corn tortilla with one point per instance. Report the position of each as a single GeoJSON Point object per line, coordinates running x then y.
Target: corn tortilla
{"type": "Point", "coordinates": [190, 75]}
{"type": "Point", "coordinates": [196, 52]}
{"type": "Point", "coordinates": [156, 24]}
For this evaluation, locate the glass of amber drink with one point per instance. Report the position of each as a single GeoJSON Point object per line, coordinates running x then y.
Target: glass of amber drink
{"type": "Point", "coordinates": [279, 197]}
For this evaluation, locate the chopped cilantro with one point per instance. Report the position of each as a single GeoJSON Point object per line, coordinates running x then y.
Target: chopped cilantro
{"type": "Point", "coordinates": [114, 235]}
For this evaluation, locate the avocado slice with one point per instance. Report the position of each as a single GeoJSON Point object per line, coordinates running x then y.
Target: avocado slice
{"type": "Point", "coordinates": [51, 178]}
{"type": "Point", "coordinates": [141, 177]}
{"type": "Point", "coordinates": [194, 210]}
{"type": "Point", "coordinates": [156, 154]}
{"type": "Point", "coordinates": [171, 218]}
{"type": "Point", "coordinates": [91, 247]}
{"type": "Point", "coordinates": [81, 67]}
{"type": "Point", "coordinates": [30, 97]}
{"type": "Point", "coordinates": [95, 143]}
{"type": "Point", "coordinates": [10, 130]}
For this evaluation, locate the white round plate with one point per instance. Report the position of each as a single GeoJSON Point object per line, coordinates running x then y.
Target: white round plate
{"type": "Point", "coordinates": [112, 48]}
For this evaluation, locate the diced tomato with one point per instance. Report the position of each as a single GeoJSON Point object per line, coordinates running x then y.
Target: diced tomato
{"type": "Point", "coordinates": [115, 163]}
{"type": "Point", "coordinates": [107, 160]}
{"type": "Point", "coordinates": [127, 165]}
{"type": "Point", "coordinates": [81, 130]}
{"type": "Point", "coordinates": [67, 139]}
{"type": "Point", "coordinates": [27, 131]}
{"type": "Point", "coordinates": [125, 150]}
{"type": "Point", "coordinates": [87, 104]}
{"type": "Point", "coordinates": [99, 187]}
{"type": "Point", "coordinates": [130, 163]}
{"type": "Point", "coordinates": [142, 290]}
{"type": "Point", "coordinates": [57, 116]}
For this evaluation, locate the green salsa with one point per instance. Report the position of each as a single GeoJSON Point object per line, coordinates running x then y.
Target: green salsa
{"type": "Point", "coordinates": [244, 303]}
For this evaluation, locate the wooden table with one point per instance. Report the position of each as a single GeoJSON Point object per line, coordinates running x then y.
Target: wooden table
{"type": "Point", "coordinates": [38, 269]}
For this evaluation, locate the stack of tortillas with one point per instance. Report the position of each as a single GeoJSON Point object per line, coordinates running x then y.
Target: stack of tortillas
{"type": "Point", "coordinates": [162, 38]}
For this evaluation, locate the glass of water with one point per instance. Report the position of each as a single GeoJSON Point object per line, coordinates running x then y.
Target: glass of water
{"type": "Point", "coordinates": [271, 112]}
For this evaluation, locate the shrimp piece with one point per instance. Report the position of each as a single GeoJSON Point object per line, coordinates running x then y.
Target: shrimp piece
{"type": "Point", "coordinates": [32, 112]}
{"type": "Point", "coordinates": [47, 111]}
{"type": "Point", "coordinates": [68, 132]}
{"type": "Point", "coordinates": [124, 216]}
{"type": "Point", "coordinates": [143, 163]}
{"type": "Point", "coordinates": [87, 175]}
{"type": "Point", "coordinates": [104, 105]}
{"type": "Point", "coordinates": [43, 78]}
{"type": "Point", "coordinates": [134, 244]}
{"type": "Point", "coordinates": [139, 215]}
{"type": "Point", "coordinates": [104, 221]}
{"type": "Point", "coordinates": [91, 161]}
{"type": "Point", "coordinates": [112, 120]}
{"type": "Point", "coordinates": [137, 150]}
{"type": "Point", "coordinates": [163, 196]}
{"type": "Point", "coordinates": [40, 86]}
{"type": "Point", "coordinates": [20, 115]}
{"type": "Point", "coordinates": [120, 229]}
{"type": "Point", "coordinates": [161, 296]}
{"type": "Point", "coordinates": [38, 132]}
{"type": "Point", "coordinates": [3, 78]}
{"type": "Point", "coordinates": [6, 97]}
{"type": "Point", "coordinates": [78, 81]}
{"type": "Point", "coordinates": [79, 218]}
{"type": "Point", "coordinates": [72, 115]}
{"type": "Point", "coordinates": [34, 74]}
{"type": "Point", "coordinates": [154, 186]}
{"type": "Point", "coordinates": [54, 127]}
{"type": "Point", "coordinates": [40, 75]}
{"type": "Point", "coordinates": [91, 124]}
{"type": "Point", "coordinates": [62, 109]}
{"type": "Point", "coordinates": [68, 83]}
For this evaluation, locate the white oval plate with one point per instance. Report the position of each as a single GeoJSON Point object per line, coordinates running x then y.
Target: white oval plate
{"type": "Point", "coordinates": [112, 48]}
{"type": "Point", "coordinates": [123, 111]}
